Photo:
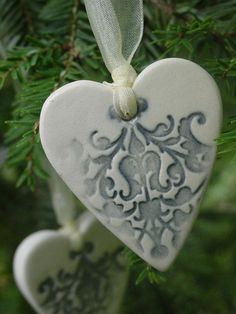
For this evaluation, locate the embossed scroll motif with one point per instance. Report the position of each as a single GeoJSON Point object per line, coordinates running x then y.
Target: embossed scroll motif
{"type": "Point", "coordinates": [142, 176]}
{"type": "Point", "coordinates": [86, 290]}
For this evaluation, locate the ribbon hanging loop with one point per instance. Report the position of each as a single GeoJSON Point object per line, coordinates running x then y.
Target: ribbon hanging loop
{"type": "Point", "coordinates": [118, 29]}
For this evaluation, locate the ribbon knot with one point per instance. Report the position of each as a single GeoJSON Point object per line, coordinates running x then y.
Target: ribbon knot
{"type": "Point", "coordinates": [124, 75]}
{"type": "Point", "coordinates": [125, 102]}
{"type": "Point", "coordinates": [124, 98]}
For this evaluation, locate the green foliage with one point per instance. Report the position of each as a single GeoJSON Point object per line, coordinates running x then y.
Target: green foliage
{"type": "Point", "coordinates": [46, 44]}
{"type": "Point", "coordinates": [49, 59]}
{"type": "Point", "coordinates": [144, 271]}
{"type": "Point", "coordinates": [18, 18]}
{"type": "Point", "coordinates": [206, 34]}
{"type": "Point", "coordinates": [58, 47]}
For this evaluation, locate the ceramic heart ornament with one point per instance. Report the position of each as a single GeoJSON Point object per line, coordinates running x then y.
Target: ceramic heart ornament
{"type": "Point", "coordinates": [143, 178]}
{"type": "Point", "coordinates": [57, 279]}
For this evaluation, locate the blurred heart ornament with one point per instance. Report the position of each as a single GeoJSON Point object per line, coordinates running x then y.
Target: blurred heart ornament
{"type": "Point", "coordinates": [142, 178]}
{"type": "Point", "coordinates": [56, 277]}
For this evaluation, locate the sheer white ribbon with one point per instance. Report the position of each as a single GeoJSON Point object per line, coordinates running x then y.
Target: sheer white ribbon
{"type": "Point", "coordinates": [65, 209]}
{"type": "Point", "coordinates": [63, 201]}
{"type": "Point", "coordinates": [118, 28]}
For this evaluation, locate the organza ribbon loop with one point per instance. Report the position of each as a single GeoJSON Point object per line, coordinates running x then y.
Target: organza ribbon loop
{"type": "Point", "coordinates": [118, 28]}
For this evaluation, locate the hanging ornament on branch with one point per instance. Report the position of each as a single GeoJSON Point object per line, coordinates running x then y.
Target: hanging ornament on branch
{"type": "Point", "coordinates": [138, 152]}
{"type": "Point", "coordinates": [76, 269]}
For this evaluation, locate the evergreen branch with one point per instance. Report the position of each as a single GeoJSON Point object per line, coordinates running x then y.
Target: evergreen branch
{"type": "Point", "coordinates": [144, 271]}
{"type": "Point", "coordinates": [23, 136]}
{"type": "Point", "coordinates": [18, 19]}
{"type": "Point", "coordinates": [55, 17]}
{"type": "Point", "coordinates": [227, 140]}
{"type": "Point", "coordinates": [223, 68]}
{"type": "Point", "coordinates": [188, 36]}
{"type": "Point", "coordinates": [72, 51]}
{"type": "Point", "coordinates": [18, 63]}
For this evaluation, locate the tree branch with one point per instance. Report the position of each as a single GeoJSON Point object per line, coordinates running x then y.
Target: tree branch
{"type": "Point", "coordinates": [72, 52]}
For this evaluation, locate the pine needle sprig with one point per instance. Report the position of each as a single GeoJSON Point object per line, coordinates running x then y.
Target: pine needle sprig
{"type": "Point", "coordinates": [19, 18]}
{"type": "Point", "coordinates": [40, 69]}
{"type": "Point", "coordinates": [143, 270]}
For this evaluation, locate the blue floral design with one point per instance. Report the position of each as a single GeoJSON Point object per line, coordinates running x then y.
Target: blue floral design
{"type": "Point", "coordinates": [142, 202]}
{"type": "Point", "coordinates": [87, 289]}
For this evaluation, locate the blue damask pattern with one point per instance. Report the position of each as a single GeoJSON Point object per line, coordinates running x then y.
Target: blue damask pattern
{"type": "Point", "coordinates": [86, 290]}
{"type": "Point", "coordinates": [142, 201]}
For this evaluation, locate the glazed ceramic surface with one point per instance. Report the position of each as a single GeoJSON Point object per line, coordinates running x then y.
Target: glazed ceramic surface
{"type": "Point", "coordinates": [143, 178]}
{"type": "Point", "coordinates": [57, 278]}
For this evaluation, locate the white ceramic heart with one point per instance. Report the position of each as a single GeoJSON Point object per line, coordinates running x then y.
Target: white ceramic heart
{"type": "Point", "coordinates": [57, 279]}
{"type": "Point", "coordinates": [143, 179]}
